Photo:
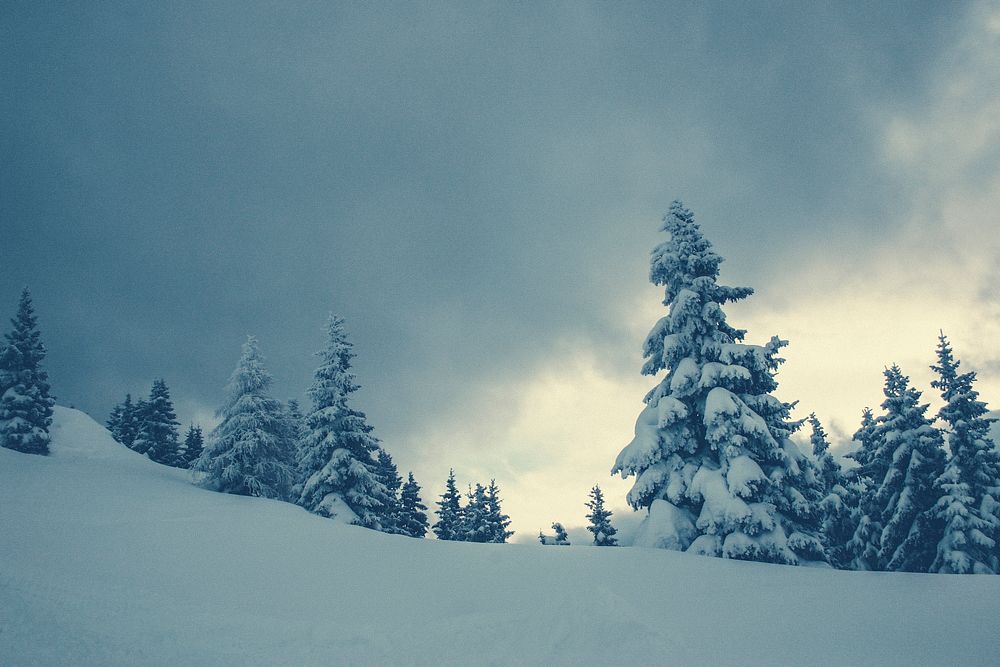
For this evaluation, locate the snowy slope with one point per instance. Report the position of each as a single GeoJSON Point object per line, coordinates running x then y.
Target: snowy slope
{"type": "Point", "coordinates": [107, 558]}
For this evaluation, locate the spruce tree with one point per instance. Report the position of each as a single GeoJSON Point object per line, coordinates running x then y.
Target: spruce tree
{"type": "Point", "coordinates": [412, 511]}
{"type": "Point", "coordinates": [248, 452]}
{"type": "Point", "coordinates": [496, 520]}
{"type": "Point", "coordinates": [337, 451]}
{"type": "Point", "coordinates": [711, 452]}
{"type": "Point", "coordinates": [863, 546]}
{"type": "Point", "coordinates": [910, 449]}
{"type": "Point", "coordinates": [838, 498]}
{"type": "Point", "coordinates": [562, 539]}
{"type": "Point", "coordinates": [476, 525]}
{"type": "Point", "coordinates": [25, 403]}
{"type": "Point", "coordinates": [131, 420]}
{"type": "Point", "coordinates": [194, 444]}
{"type": "Point", "coordinates": [388, 474]}
{"type": "Point", "coordinates": [600, 520]}
{"type": "Point", "coordinates": [970, 484]}
{"type": "Point", "coordinates": [114, 422]}
{"type": "Point", "coordinates": [158, 437]}
{"type": "Point", "coordinates": [449, 512]}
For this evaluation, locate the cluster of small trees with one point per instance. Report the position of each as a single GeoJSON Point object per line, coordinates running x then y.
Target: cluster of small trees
{"type": "Point", "coordinates": [328, 461]}
{"type": "Point", "coordinates": [480, 519]}
{"type": "Point", "coordinates": [923, 498]}
{"type": "Point", "coordinates": [149, 426]}
{"type": "Point", "coordinates": [599, 523]}
{"type": "Point", "coordinates": [716, 469]}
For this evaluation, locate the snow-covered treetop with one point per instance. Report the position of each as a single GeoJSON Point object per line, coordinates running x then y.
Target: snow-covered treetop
{"type": "Point", "coordinates": [249, 379]}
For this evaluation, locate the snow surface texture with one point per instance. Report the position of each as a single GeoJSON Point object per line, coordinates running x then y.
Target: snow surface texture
{"type": "Point", "coordinates": [108, 558]}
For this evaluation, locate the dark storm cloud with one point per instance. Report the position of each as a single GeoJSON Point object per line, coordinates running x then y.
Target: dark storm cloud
{"type": "Point", "coordinates": [466, 183]}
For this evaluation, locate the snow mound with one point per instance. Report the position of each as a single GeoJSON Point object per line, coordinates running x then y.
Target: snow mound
{"type": "Point", "coordinates": [107, 558]}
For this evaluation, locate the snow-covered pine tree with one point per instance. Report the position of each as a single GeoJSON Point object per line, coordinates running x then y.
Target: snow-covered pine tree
{"type": "Point", "coordinates": [562, 539]}
{"type": "Point", "coordinates": [114, 422]}
{"type": "Point", "coordinates": [862, 549]}
{"type": "Point", "coordinates": [388, 474]}
{"type": "Point", "coordinates": [838, 498]}
{"type": "Point", "coordinates": [25, 403]}
{"type": "Point", "coordinates": [158, 437]}
{"type": "Point", "coordinates": [910, 450]}
{"type": "Point", "coordinates": [248, 453]}
{"type": "Point", "coordinates": [476, 524]}
{"type": "Point", "coordinates": [340, 473]}
{"type": "Point", "coordinates": [711, 455]}
{"type": "Point", "coordinates": [449, 512]}
{"type": "Point", "coordinates": [194, 444]}
{"type": "Point", "coordinates": [970, 484]}
{"type": "Point", "coordinates": [495, 518]}
{"type": "Point", "coordinates": [600, 520]}
{"type": "Point", "coordinates": [412, 511]}
{"type": "Point", "coordinates": [131, 420]}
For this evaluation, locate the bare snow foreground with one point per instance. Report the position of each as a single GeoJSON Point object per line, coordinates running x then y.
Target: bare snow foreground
{"type": "Point", "coordinates": [108, 558]}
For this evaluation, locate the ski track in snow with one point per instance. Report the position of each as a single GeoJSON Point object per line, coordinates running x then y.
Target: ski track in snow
{"type": "Point", "coordinates": [107, 558]}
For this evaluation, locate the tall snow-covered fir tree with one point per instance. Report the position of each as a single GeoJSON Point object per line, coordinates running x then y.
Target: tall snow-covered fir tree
{"type": "Point", "coordinates": [25, 403]}
{"type": "Point", "coordinates": [449, 512]}
{"type": "Point", "coordinates": [249, 452]}
{"type": "Point", "coordinates": [388, 474]}
{"type": "Point", "coordinates": [194, 444]}
{"type": "Point", "coordinates": [909, 448]}
{"type": "Point", "coordinates": [157, 436]}
{"type": "Point", "coordinates": [970, 484]}
{"type": "Point", "coordinates": [711, 456]}
{"type": "Point", "coordinates": [412, 511]}
{"type": "Point", "coordinates": [600, 520]}
{"type": "Point", "coordinates": [339, 471]}
{"type": "Point", "coordinates": [838, 498]}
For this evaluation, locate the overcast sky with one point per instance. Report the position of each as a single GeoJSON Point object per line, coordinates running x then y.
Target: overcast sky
{"type": "Point", "coordinates": [476, 188]}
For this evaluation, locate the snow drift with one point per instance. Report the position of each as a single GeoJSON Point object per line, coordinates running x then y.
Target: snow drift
{"type": "Point", "coordinates": [108, 558]}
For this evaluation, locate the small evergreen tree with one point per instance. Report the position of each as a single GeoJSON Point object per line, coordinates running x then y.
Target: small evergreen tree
{"type": "Point", "coordinates": [114, 422]}
{"type": "Point", "coordinates": [863, 547]}
{"type": "Point", "coordinates": [194, 444]}
{"type": "Point", "coordinates": [476, 524]}
{"type": "Point", "coordinates": [337, 449]}
{"type": "Point", "coordinates": [449, 512]}
{"type": "Point", "coordinates": [600, 520]}
{"type": "Point", "coordinates": [412, 511]}
{"type": "Point", "coordinates": [388, 474]}
{"type": "Point", "coordinates": [248, 452]}
{"type": "Point", "coordinates": [970, 484]}
{"type": "Point", "coordinates": [910, 449]}
{"type": "Point", "coordinates": [496, 520]}
{"type": "Point", "coordinates": [131, 420]}
{"type": "Point", "coordinates": [158, 437]}
{"type": "Point", "coordinates": [562, 539]}
{"type": "Point", "coordinates": [25, 403]}
{"type": "Point", "coordinates": [837, 524]}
